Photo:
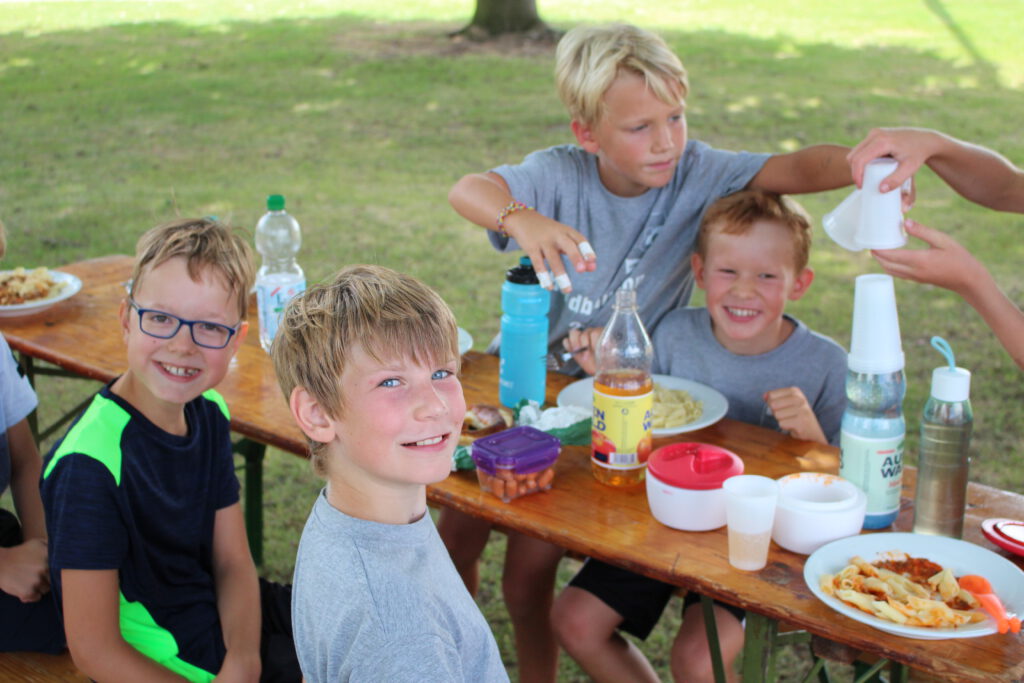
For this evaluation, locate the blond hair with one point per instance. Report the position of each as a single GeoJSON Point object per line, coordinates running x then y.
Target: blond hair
{"type": "Point", "coordinates": [203, 243]}
{"type": "Point", "coordinates": [736, 214]}
{"type": "Point", "coordinates": [589, 59]}
{"type": "Point", "coordinates": [388, 315]}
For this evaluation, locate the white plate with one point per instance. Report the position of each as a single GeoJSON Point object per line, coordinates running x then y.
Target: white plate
{"type": "Point", "coordinates": [465, 341]}
{"type": "Point", "coordinates": [71, 286]}
{"type": "Point", "coordinates": [959, 556]}
{"type": "Point", "coordinates": [581, 393]}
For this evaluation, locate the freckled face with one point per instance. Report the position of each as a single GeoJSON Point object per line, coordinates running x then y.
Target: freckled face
{"type": "Point", "coordinates": [748, 278]}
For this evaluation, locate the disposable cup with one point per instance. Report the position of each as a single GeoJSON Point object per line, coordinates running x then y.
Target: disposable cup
{"type": "Point", "coordinates": [867, 218]}
{"type": "Point", "coordinates": [881, 214]}
{"type": "Point", "coordinates": [875, 346]}
{"type": "Point", "coordinates": [750, 501]}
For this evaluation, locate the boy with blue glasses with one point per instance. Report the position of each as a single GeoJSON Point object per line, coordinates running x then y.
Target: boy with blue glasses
{"type": "Point", "coordinates": [149, 560]}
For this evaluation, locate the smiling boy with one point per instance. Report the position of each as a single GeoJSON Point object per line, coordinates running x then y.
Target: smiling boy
{"type": "Point", "coordinates": [751, 259]}
{"type": "Point", "coordinates": [148, 552]}
{"type": "Point", "coordinates": [369, 364]}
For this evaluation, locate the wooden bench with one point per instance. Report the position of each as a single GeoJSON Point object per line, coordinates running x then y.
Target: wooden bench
{"type": "Point", "coordinates": [33, 667]}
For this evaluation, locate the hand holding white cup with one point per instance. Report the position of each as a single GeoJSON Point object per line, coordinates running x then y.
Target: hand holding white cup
{"type": "Point", "coordinates": [750, 501]}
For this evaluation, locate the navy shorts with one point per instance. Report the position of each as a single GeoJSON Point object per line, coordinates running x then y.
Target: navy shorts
{"type": "Point", "coordinates": [639, 600]}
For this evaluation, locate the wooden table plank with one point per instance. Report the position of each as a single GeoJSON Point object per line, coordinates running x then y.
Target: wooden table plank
{"type": "Point", "coordinates": [579, 513]}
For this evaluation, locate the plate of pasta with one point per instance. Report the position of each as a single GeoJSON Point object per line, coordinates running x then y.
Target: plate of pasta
{"type": "Point", "coordinates": [851, 576]}
{"type": "Point", "coordinates": [24, 291]}
{"type": "Point", "coordinates": [680, 405]}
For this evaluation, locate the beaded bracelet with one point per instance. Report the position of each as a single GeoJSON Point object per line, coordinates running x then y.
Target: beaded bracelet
{"type": "Point", "coordinates": [512, 207]}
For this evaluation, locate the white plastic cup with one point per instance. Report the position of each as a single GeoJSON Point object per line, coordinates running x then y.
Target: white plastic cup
{"type": "Point", "coordinates": [875, 346]}
{"type": "Point", "coordinates": [842, 222]}
{"type": "Point", "coordinates": [750, 502]}
{"type": "Point", "coordinates": [880, 223]}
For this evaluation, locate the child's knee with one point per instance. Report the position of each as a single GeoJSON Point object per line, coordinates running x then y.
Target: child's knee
{"type": "Point", "coordinates": [578, 621]}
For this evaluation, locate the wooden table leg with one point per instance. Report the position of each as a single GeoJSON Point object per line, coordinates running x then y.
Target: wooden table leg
{"type": "Point", "coordinates": [253, 452]}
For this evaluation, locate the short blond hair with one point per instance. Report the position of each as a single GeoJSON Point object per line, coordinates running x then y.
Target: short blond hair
{"type": "Point", "coordinates": [735, 214]}
{"type": "Point", "coordinates": [589, 59]}
{"type": "Point", "coordinates": [203, 243]}
{"type": "Point", "coordinates": [388, 314]}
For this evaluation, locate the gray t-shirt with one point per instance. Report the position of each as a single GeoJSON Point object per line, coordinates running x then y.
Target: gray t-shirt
{"type": "Point", "coordinates": [17, 400]}
{"type": "Point", "coordinates": [685, 346]}
{"type": "Point", "coordinates": [383, 602]}
{"type": "Point", "coordinates": [642, 242]}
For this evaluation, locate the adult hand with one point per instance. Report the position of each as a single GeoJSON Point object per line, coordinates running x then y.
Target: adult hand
{"type": "Point", "coordinates": [910, 147]}
{"type": "Point", "coordinates": [23, 570]}
{"type": "Point", "coordinates": [794, 414]}
{"type": "Point", "coordinates": [945, 262]}
{"type": "Point", "coordinates": [545, 241]}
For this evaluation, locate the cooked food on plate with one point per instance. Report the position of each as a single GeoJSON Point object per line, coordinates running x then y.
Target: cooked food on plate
{"type": "Point", "coordinates": [911, 591]}
{"type": "Point", "coordinates": [19, 286]}
{"type": "Point", "coordinates": [674, 407]}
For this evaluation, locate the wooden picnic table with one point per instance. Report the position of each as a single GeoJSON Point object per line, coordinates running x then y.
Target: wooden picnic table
{"type": "Point", "coordinates": [80, 335]}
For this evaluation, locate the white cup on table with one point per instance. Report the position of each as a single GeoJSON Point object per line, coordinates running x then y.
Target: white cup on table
{"type": "Point", "coordinates": [750, 501]}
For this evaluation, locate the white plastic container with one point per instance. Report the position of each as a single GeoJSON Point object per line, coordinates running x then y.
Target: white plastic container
{"type": "Point", "coordinates": [815, 509]}
{"type": "Point", "coordinates": [684, 485]}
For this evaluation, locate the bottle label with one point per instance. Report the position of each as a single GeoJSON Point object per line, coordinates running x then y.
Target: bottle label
{"type": "Point", "coordinates": [271, 299]}
{"type": "Point", "coordinates": [621, 430]}
{"type": "Point", "coordinates": [876, 466]}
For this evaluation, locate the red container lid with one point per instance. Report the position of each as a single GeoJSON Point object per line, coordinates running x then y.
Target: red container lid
{"type": "Point", "coordinates": [698, 466]}
{"type": "Point", "coordinates": [524, 449]}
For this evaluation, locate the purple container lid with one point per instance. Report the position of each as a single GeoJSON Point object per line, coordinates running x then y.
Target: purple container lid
{"type": "Point", "coordinates": [524, 449]}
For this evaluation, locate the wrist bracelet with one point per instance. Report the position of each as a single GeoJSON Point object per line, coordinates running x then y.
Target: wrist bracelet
{"type": "Point", "coordinates": [512, 207]}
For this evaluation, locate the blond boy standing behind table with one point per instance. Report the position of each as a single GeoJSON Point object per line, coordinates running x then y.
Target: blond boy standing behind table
{"type": "Point", "coordinates": [369, 363]}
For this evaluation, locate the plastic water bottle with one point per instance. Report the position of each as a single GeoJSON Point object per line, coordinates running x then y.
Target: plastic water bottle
{"type": "Point", "coordinates": [944, 460]}
{"type": "Point", "coordinates": [524, 336]}
{"type": "Point", "coordinates": [278, 238]}
{"type": "Point", "coordinates": [621, 436]}
{"type": "Point", "coordinates": [873, 428]}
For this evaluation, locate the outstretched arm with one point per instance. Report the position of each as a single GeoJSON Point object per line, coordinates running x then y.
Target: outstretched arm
{"type": "Point", "coordinates": [976, 173]}
{"type": "Point", "coordinates": [811, 169]}
{"type": "Point", "coordinates": [948, 264]}
{"type": "Point", "coordinates": [481, 199]}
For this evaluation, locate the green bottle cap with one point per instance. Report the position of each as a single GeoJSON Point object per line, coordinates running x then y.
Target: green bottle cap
{"type": "Point", "coordinates": [275, 202]}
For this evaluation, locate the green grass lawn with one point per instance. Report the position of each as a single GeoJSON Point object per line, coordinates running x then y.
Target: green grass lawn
{"type": "Point", "coordinates": [120, 115]}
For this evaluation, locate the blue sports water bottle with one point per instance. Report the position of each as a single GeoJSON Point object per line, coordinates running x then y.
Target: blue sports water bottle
{"type": "Point", "coordinates": [524, 336]}
{"type": "Point", "coordinates": [873, 428]}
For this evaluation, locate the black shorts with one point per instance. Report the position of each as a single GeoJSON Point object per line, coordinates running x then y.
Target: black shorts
{"type": "Point", "coordinates": [639, 600]}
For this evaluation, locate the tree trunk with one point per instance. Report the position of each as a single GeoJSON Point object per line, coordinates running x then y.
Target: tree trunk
{"type": "Point", "coordinates": [499, 17]}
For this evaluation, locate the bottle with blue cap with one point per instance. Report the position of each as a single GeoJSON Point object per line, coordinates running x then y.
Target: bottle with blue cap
{"type": "Point", "coordinates": [522, 372]}
{"type": "Point", "coordinates": [944, 459]}
{"type": "Point", "coordinates": [873, 429]}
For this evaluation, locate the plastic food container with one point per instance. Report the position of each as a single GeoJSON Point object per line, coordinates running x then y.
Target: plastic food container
{"type": "Point", "coordinates": [815, 509]}
{"type": "Point", "coordinates": [516, 462]}
{"type": "Point", "coordinates": [684, 485]}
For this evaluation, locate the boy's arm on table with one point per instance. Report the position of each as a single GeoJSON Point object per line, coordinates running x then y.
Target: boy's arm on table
{"type": "Point", "coordinates": [811, 169]}
{"type": "Point", "coordinates": [481, 197]}
{"type": "Point", "coordinates": [23, 568]}
{"type": "Point", "coordinates": [238, 596]}
{"type": "Point", "coordinates": [975, 172]}
{"type": "Point", "coordinates": [93, 630]}
{"type": "Point", "coordinates": [794, 414]}
{"type": "Point", "coordinates": [948, 264]}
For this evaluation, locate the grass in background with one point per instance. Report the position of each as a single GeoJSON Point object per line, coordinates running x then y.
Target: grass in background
{"type": "Point", "coordinates": [118, 116]}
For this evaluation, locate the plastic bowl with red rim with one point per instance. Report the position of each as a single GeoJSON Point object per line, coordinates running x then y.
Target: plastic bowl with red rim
{"type": "Point", "coordinates": [684, 485]}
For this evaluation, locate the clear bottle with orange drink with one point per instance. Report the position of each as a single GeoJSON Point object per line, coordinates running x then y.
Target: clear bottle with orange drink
{"type": "Point", "coordinates": [623, 397]}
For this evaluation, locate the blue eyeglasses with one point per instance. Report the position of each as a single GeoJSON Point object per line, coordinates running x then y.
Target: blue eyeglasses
{"type": "Point", "coordinates": [163, 325]}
